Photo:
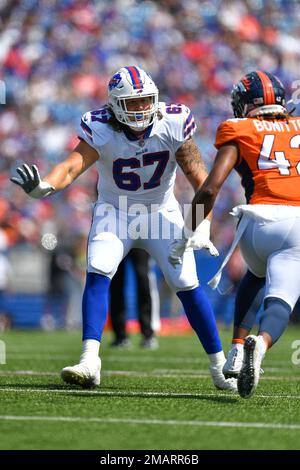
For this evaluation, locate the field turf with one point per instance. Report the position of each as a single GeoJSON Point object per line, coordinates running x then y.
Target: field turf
{"type": "Point", "coordinates": [162, 399]}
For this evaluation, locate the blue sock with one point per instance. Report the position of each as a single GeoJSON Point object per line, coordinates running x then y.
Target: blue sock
{"type": "Point", "coordinates": [275, 317]}
{"type": "Point", "coordinates": [94, 306]}
{"type": "Point", "coordinates": [201, 317]}
{"type": "Point", "coordinates": [249, 297]}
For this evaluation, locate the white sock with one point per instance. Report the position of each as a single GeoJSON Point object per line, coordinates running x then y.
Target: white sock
{"type": "Point", "coordinates": [238, 346]}
{"type": "Point", "coordinates": [90, 350]}
{"type": "Point", "coordinates": [217, 358]}
{"type": "Point", "coordinates": [262, 345]}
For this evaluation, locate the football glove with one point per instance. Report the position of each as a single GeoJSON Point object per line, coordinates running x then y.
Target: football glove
{"type": "Point", "coordinates": [31, 182]}
{"type": "Point", "coordinates": [199, 239]}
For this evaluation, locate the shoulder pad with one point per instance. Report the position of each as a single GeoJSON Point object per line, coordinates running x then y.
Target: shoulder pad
{"type": "Point", "coordinates": [236, 120]}
{"type": "Point", "coordinates": [94, 124]}
{"type": "Point", "coordinates": [179, 120]}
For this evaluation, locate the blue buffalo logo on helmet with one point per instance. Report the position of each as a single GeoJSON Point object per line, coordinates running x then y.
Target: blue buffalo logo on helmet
{"type": "Point", "coordinates": [114, 81]}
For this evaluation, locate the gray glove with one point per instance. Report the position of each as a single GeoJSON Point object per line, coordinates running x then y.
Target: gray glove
{"type": "Point", "coordinates": [31, 182]}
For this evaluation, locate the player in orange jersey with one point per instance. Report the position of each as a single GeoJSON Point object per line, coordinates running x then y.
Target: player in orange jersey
{"type": "Point", "coordinates": [262, 145]}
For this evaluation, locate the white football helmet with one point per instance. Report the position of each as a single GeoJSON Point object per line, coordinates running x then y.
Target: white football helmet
{"type": "Point", "coordinates": [129, 83]}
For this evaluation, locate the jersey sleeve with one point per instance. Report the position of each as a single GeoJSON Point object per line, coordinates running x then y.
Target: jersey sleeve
{"type": "Point", "coordinates": [93, 128]}
{"type": "Point", "coordinates": [189, 125]}
{"type": "Point", "coordinates": [226, 133]}
{"type": "Point", "coordinates": [182, 123]}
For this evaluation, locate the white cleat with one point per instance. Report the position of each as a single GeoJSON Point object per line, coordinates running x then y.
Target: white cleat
{"type": "Point", "coordinates": [233, 365]}
{"type": "Point", "coordinates": [85, 374]}
{"type": "Point", "coordinates": [253, 355]}
{"type": "Point", "coordinates": [219, 380]}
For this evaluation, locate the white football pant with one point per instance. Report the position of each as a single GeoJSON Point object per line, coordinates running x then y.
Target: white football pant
{"type": "Point", "coordinates": [113, 233]}
{"type": "Point", "coordinates": [272, 250]}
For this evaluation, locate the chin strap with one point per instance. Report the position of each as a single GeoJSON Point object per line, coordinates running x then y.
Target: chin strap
{"type": "Point", "coordinates": [268, 109]}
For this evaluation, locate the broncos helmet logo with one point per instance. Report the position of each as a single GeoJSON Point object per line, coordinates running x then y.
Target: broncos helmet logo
{"type": "Point", "coordinates": [246, 82]}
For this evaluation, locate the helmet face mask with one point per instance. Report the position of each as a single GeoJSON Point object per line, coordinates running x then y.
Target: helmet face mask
{"type": "Point", "coordinates": [237, 101]}
{"type": "Point", "coordinates": [133, 83]}
{"type": "Point", "coordinates": [258, 93]}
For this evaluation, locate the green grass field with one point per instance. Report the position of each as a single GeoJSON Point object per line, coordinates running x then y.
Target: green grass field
{"type": "Point", "coordinates": [161, 399]}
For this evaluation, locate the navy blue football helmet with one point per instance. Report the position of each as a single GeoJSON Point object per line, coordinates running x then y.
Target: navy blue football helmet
{"type": "Point", "coordinates": [258, 93]}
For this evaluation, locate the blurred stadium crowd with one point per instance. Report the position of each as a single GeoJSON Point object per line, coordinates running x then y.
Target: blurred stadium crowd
{"type": "Point", "coordinates": [56, 59]}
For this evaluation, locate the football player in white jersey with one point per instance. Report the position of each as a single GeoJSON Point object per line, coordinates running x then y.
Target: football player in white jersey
{"type": "Point", "coordinates": [136, 143]}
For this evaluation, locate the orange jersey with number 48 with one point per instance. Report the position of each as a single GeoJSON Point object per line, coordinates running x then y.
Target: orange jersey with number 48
{"type": "Point", "coordinates": [269, 158]}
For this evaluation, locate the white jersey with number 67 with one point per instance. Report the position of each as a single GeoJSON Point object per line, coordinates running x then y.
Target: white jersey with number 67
{"type": "Point", "coordinates": [143, 170]}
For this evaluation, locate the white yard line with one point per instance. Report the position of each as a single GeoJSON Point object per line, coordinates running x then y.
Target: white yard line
{"type": "Point", "coordinates": [111, 393]}
{"type": "Point", "coordinates": [128, 373]}
{"type": "Point", "coordinates": [109, 358]}
{"type": "Point", "coordinates": [148, 360]}
{"type": "Point", "coordinates": [141, 393]}
{"type": "Point", "coordinates": [159, 373]}
{"type": "Point", "coordinates": [159, 422]}
{"type": "Point", "coordinates": [4, 373]}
